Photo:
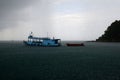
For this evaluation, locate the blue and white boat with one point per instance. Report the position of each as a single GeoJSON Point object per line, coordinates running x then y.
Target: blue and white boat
{"type": "Point", "coordinates": [42, 41]}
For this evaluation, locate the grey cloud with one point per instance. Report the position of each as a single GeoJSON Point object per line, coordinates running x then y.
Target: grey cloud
{"type": "Point", "coordinates": [15, 4]}
{"type": "Point", "coordinates": [9, 11]}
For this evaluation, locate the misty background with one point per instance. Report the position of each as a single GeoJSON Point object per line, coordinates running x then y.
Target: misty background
{"type": "Point", "coordinates": [65, 19]}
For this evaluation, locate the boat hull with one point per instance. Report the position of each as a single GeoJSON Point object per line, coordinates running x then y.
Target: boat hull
{"type": "Point", "coordinates": [40, 44]}
{"type": "Point", "coordinates": [70, 44]}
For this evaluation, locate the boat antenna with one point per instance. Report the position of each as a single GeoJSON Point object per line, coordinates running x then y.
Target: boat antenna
{"type": "Point", "coordinates": [47, 34]}
{"type": "Point", "coordinates": [31, 33]}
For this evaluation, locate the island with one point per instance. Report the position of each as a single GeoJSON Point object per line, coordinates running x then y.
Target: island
{"type": "Point", "coordinates": [112, 34]}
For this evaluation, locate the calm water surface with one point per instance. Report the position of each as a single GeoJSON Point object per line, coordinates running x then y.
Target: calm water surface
{"type": "Point", "coordinates": [95, 61]}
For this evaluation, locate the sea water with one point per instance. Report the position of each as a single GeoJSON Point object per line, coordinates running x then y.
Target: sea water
{"type": "Point", "coordinates": [94, 61]}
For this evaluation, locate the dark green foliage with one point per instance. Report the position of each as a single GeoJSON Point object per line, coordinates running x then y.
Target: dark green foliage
{"type": "Point", "coordinates": [112, 34]}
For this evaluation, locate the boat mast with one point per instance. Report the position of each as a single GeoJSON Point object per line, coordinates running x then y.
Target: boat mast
{"type": "Point", "coordinates": [47, 34]}
{"type": "Point", "coordinates": [31, 33]}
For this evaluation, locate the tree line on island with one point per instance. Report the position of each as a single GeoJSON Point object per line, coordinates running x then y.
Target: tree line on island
{"type": "Point", "coordinates": [112, 34]}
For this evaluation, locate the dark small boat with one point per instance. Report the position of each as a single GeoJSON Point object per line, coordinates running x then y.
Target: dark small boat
{"type": "Point", "coordinates": [75, 44]}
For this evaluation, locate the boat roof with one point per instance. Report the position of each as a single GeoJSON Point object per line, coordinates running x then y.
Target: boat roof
{"type": "Point", "coordinates": [41, 38]}
{"type": "Point", "coordinates": [38, 37]}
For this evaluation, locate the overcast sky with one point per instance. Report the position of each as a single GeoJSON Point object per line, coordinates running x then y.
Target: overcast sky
{"type": "Point", "coordinates": [64, 19]}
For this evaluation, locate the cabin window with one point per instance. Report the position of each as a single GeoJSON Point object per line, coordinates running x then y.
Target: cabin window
{"type": "Point", "coordinates": [41, 40]}
{"type": "Point", "coordinates": [48, 43]}
{"type": "Point", "coordinates": [56, 41]}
